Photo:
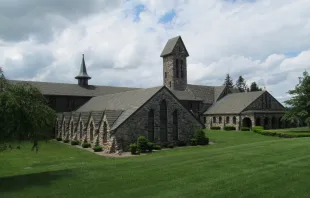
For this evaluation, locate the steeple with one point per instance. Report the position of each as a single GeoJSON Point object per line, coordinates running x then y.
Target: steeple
{"type": "Point", "coordinates": [174, 57]}
{"type": "Point", "coordinates": [83, 77]}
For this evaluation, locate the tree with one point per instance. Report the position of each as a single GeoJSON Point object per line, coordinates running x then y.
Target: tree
{"type": "Point", "coordinates": [241, 84]}
{"type": "Point", "coordinates": [24, 113]}
{"type": "Point", "coordinates": [254, 87]}
{"type": "Point", "coordinates": [228, 81]}
{"type": "Point", "coordinates": [299, 103]}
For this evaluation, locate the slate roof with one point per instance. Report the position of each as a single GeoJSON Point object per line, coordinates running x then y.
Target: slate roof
{"type": "Point", "coordinates": [186, 95]}
{"type": "Point", "coordinates": [64, 89]}
{"type": "Point", "coordinates": [97, 117]}
{"type": "Point", "coordinates": [234, 103]}
{"type": "Point", "coordinates": [123, 104]}
{"type": "Point", "coordinates": [170, 46]}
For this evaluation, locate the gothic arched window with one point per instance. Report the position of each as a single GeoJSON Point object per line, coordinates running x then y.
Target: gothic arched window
{"type": "Point", "coordinates": [175, 125]}
{"type": "Point", "coordinates": [227, 119]}
{"type": "Point", "coordinates": [91, 135]}
{"type": "Point", "coordinates": [214, 119]}
{"type": "Point", "coordinates": [151, 125]}
{"type": "Point", "coordinates": [163, 121]}
{"type": "Point", "coordinates": [234, 120]}
{"type": "Point", "coordinates": [182, 72]}
{"type": "Point", "coordinates": [220, 119]}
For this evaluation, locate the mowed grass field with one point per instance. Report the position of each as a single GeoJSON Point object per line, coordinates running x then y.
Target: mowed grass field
{"type": "Point", "coordinates": [240, 164]}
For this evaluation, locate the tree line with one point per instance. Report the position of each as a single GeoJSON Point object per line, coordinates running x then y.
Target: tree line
{"type": "Point", "coordinates": [241, 84]}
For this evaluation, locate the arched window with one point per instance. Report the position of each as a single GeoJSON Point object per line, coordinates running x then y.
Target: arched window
{"type": "Point", "coordinates": [204, 119]}
{"type": "Point", "coordinates": [151, 125]}
{"type": "Point", "coordinates": [234, 120]}
{"type": "Point", "coordinates": [177, 68]}
{"type": "Point", "coordinates": [175, 125]}
{"type": "Point", "coordinates": [227, 119]}
{"type": "Point", "coordinates": [182, 72]}
{"type": "Point", "coordinates": [91, 134]}
{"type": "Point", "coordinates": [81, 130]}
{"type": "Point", "coordinates": [220, 119]}
{"type": "Point", "coordinates": [163, 121]}
{"type": "Point", "coordinates": [105, 132]}
{"type": "Point", "coordinates": [214, 119]}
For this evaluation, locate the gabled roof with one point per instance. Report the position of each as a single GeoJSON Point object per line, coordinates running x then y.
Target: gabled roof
{"type": "Point", "coordinates": [234, 103]}
{"type": "Point", "coordinates": [218, 90]}
{"type": "Point", "coordinates": [64, 89]}
{"type": "Point", "coordinates": [168, 49]}
{"type": "Point", "coordinates": [112, 115]}
{"type": "Point", "coordinates": [206, 93]}
{"type": "Point", "coordinates": [186, 95]}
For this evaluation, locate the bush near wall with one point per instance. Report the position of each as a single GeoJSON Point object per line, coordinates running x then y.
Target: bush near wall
{"type": "Point", "coordinates": [245, 129]}
{"type": "Point", "coordinates": [229, 128]}
{"type": "Point", "coordinates": [59, 139]}
{"type": "Point", "coordinates": [282, 134]}
{"type": "Point", "coordinates": [215, 128]}
{"type": "Point", "coordinates": [75, 142]}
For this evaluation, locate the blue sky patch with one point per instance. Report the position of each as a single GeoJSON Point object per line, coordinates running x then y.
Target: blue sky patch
{"type": "Point", "coordinates": [167, 17]}
{"type": "Point", "coordinates": [137, 10]}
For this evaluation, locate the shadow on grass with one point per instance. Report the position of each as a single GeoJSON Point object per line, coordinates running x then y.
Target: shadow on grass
{"type": "Point", "coordinates": [19, 182]}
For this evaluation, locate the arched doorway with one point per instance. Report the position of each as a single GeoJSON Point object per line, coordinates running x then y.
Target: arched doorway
{"type": "Point", "coordinates": [258, 122]}
{"type": "Point", "coordinates": [246, 122]}
{"type": "Point", "coordinates": [273, 123]}
{"type": "Point", "coordinates": [266, 123]}
{"type": "Point", "coordinates": [163, 121]}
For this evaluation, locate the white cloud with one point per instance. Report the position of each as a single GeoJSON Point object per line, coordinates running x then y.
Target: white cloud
{"type": "Point", "coordinates": [242, 38]}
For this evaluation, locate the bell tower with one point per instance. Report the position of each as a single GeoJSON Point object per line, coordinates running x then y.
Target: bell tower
{"type": "Point", "coordinates": [83, 77]}
{"type": "Point", "coordinates": [174, 57]}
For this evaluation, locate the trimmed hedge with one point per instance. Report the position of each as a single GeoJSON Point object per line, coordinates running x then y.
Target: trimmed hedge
{"type": "Point", "coordinates": [282, 135]}
{"type": "Point", "coordinates": [150, 146]}
{"type": "Point", "coordinates": [66, 141]}
{"type": "Point", "coordinates": [229, 128]}
{"type": "Point", "coordinates": [215, 128]}
{"type": "Point", "coordinates": [257, 128]}
{"type": "Point", "coordinates": [181, 143]}
{"type": "Point", "coordinates": [245, 129]}
{"type": "Point", "coordinates": [86, 145]}
{"type": "Point", "coordinates": [133, 148]}
{"type": "Point", "coordinates": [157, 147]}
{"type": "Point", "coordinates": [170, 146]}
{"type": "Point", "coordinates": [59, 139]}
{"type": "Point", "coordinates": [75, 142]}
{"type": "Point", "coordinates": [142, 144]}
{"type": "Point", "coordinates": [97, 149]}
{"type": "Point", "coordinates": [193, 142]}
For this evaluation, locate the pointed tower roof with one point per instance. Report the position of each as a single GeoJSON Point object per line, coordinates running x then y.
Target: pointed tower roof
{"type": "Point", "coordinates": [83, 72]}
{"type": "Point", "coordinates": [168, 49]}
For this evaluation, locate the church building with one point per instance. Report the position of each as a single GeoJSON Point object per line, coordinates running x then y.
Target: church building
{"type": "Point", "coordinates": [116, 116]}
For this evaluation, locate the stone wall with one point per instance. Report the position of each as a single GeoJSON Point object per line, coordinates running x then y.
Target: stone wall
{"type": "Point", "coordinates": [137, 124]}
{"type": "Point", "coordinates": [210, 121]}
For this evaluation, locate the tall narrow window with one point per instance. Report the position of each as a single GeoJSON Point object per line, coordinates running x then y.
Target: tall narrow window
{"type": "Point", "coordinates": [165, 74]}
{"type": "Point", "coordinates": [177, 68]}
{"type": "Point", "coordinates": [182, 72]}
{"type": "Point", "coordinates": [220, 119]}
{"type": "Point", "coordinates": [175, 125]}
{"type": "Point", "coordinates": [214, 119]}
{"type": "Point", "coordinates": [105, 132]}
{"type": "Point", "coordinates": [163, 121]}
{"type": "Point", "coordinates": [71, 134]}
{"type": "Point", "coordinates": [91, 134]}
{"type": "Point", "coordinates": [151, 125]}
{"type": "Point", "coordinates": [227, 119]}
{"type": "Point", "coordinates": [234, 120]}
{"type": "Point", "coordinates": [81, 130]}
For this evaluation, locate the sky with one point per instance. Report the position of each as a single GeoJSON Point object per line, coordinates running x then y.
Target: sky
{"type": "Point", "coordinates": [267, 41]}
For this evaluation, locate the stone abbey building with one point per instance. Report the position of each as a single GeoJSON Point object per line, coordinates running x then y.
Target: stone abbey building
{"type": "Point", "coordinates": [116, 116]}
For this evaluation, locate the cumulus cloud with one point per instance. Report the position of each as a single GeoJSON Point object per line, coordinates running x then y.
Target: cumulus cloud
{"type": "Point", "coordinates": [264, 41]}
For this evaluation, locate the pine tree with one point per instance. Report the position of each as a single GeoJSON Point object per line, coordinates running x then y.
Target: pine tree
{"type": "Point", "coordinates": [254, 87]}
{"type": "Point", "coordinates": [228, 81]}
{"type": "Point", "coordinates": [241, 84]}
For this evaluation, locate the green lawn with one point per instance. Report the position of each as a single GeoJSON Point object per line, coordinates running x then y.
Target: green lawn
{"type": "Point", "coordinates": [240, 164]}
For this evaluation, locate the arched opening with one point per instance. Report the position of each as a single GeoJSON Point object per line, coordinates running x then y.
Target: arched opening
{"type": "Point", "coordinates": [227, 120]}
{"type": "Point", "coordinates": [214, 119]}
{"type": "Point", "coordinates": [280, 123]}
{"type": "Point", "coordinates": [234, 120]}
{"type": "Point", "coordinates": [105, 132]}
{"type": "Point", "coordinates": [175, 125]}
{"type": "Point", "coordinates": [220, 119]}
{"type": "Point", "coordinates": [266, 123]}
{"type": "Point", "coordinates": [273, 123]}
{"type": "Point", "coordinates": [81, 130]}
{"type": "Point", "coordinates": [91, 134]}
{"type": "Point", "coordinates": [246, 122]}
{"type": "Point", "coordinates": [163, 121]}
{"type": "Point", "coordinates": [257, 122]}
{"type": "Point", "coordinates": [151, 125]}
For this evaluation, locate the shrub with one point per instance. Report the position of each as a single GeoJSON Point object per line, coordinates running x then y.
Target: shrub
{"type": "Point", "coordinates": [150, 146]}
{"type": "Point", "coordinates": [157, 147]}
{"type": "Point", "coordinates": [215, 128]}
{"type": "Point", "coordinates": [229, 128]}
{"type": "Point", "coordinates": [133, 148]}
{"type": "Point", "coordinates": [181, 143]}
{"type": "Point", "coordinates": [66, 141]}
{"type": "Point", "coordinates": [97, 149]}
{"type": "Point", "coordinates": [75, 142]}
{"type": "Point", "coordinates": [170, 146]}
{"type": "Point", "coordinates": [142, 144]}
{"type": "Point", "coordinates": [245, 129]}
{"type": "Point", "coordinates": [193, 142]}
{"type": "Point", "coordinates": [201, 138]}
{"type": "Point", "coordinates": [58, 138]}
{"type": "Point", "coordinates": [258, 128]}
{"type": "Point", "coordinates": [86, 145]}
{"type": "Point", "coordinates": [165, 145]}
